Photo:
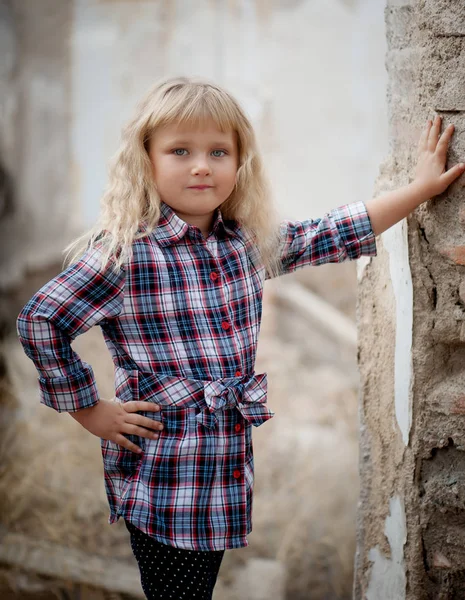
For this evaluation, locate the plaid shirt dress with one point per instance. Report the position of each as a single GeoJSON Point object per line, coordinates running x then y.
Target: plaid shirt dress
{"type": "Point", "coordinates": [181, 320]}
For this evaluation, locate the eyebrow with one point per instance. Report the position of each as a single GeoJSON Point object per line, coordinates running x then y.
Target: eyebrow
{"type": "Point", "coordinates": [176, 142]}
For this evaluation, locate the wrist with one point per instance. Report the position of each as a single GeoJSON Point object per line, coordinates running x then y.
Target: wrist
{"type": "Point", "coordinates": [82, 413]}
{"type": "Point", "coordinates": [420, 192]}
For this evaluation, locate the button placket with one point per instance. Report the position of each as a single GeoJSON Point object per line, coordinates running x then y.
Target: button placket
{"type": "Point", "coordinates": [220, 281]}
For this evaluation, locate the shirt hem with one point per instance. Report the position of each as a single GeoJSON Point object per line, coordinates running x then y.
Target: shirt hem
{"type": "Point", "coordinates": [231, 544]}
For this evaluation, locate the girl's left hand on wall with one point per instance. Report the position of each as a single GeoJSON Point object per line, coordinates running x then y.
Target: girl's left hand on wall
{"type": "Point", "coordinates": [430, 172]}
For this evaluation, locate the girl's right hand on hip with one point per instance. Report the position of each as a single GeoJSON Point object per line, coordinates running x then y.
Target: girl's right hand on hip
{"type": "Point", "coordinates": [110, 420]}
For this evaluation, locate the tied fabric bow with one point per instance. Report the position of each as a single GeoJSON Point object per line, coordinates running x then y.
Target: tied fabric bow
{"type": "Point", "coordinates": [248, 397]}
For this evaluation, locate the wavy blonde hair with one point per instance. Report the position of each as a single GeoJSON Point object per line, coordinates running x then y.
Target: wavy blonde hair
{"type": "Point", "coordinates": [131, 196]}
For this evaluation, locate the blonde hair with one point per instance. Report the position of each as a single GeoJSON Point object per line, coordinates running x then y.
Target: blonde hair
{"type": "Point", "coordinates": [131, 196]}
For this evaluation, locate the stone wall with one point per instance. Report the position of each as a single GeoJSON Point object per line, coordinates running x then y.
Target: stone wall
{"type": "Point", "coordinates": [411, 529]}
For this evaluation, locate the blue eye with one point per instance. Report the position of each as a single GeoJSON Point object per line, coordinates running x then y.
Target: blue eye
{"type": "Point", "coordinates": [176, 150]}
{"type": "Point", "coordinates": [216, 156]}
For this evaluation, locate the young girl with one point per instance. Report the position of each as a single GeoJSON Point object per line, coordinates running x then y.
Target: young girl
{"type": "Point", "coordinates": [173, 273]}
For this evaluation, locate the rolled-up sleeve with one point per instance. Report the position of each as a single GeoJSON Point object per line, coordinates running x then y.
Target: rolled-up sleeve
{"type": "Point", "coordinates": [80, 297]}
{"type": "Point", "coordinates": [345, 233]}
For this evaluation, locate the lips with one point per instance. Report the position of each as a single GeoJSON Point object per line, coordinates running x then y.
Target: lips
{"type": "Point", "coordinates": [200, 187]}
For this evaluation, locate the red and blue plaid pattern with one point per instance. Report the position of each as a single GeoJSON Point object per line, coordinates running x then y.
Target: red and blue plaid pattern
{"type": "Point", "coordinates": [181, 320]}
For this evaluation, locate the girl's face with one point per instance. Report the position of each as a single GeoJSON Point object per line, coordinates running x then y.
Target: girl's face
{"type": "Point", "coordinates": [186, 156]}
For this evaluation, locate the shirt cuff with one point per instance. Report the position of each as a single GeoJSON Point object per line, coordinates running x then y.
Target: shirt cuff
{"type": "Point", "coordinates": [71, 393]}
{"type": "Point", "coordinates": [355, 229]}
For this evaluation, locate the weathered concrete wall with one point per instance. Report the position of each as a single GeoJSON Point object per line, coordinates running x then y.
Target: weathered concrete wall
{"type": "Point", "coordinates": [411, 533]}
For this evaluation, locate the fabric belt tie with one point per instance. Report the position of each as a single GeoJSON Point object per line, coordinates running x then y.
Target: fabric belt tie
{"type": "Point", "coordinates": [248, 397]}
{"type": "Point", "coordinates": [247, 393]}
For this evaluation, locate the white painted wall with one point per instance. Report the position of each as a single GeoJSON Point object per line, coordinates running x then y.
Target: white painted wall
{"type": "Point", "coordinates": [387, 576]}
{"type": "Point", "coordinates": [310, 74]}
{"type": "Point", "coordinates": [395, 242]}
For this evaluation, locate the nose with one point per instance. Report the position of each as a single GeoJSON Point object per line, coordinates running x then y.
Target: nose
{"type": "Point", "coordinates": [201, 168]}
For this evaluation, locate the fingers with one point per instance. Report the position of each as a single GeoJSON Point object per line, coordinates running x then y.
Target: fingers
{"type": "Point", "coordinates": [423, 143]}
{"type": "Point", "coordinates": [431, 141]}
{"type": "Point", "coordinates": [433, 135]}
{"type": "Point", "coordinates": [125, 443]}
{"type": "Point", "coordinates": [444, 140]}
{"type": "Point", "coordinates": [144, 422]}
{"type": "Point", "coordinates": [452, 174]}
{"type": "Point", "coordinates": [141, 431]}
{"type": "Point", "coordinates": [134, 427]}
{"type": "Point", "coordinates": [139, 425]}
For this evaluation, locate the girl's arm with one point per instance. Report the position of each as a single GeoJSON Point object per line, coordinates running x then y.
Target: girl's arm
{"type": "Point", "coordinates": [431, 179]}
{"type": "Point", "coordinates": [345, 233]}
{"type": "Point", "coordinates": [69, 304]}
{"type": "Point", "coordinates": [349, 232]}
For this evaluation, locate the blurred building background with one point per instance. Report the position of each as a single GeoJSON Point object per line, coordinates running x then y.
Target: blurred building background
{"type": "Point", "coordinates": [311, 75]}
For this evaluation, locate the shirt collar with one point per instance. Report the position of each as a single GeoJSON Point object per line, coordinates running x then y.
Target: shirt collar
{"type": "Point", "coordinates": [172, 228]}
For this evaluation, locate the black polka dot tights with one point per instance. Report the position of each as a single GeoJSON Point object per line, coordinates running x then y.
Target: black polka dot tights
{"type": "Point", "coordinates": [173, 573]}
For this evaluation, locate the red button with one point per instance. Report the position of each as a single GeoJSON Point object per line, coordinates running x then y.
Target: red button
{"type": "Point", "coordinates": [238, 427]}
{"type": "Point", "coordinates": [237, 373]}
{"type": "Point", "coordinates": [225, 325]}
{"type": "Point", "coordinates": [213, 276]}
{"type": "Point", "coordinates": [236, 474]}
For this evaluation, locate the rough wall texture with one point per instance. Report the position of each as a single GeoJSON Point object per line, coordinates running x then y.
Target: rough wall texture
{"type": "Point", "coordinates": [411, 529]}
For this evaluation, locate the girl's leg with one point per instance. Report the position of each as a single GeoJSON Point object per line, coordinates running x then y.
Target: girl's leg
{"type": "Point", "coordinates": [169, 573]}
